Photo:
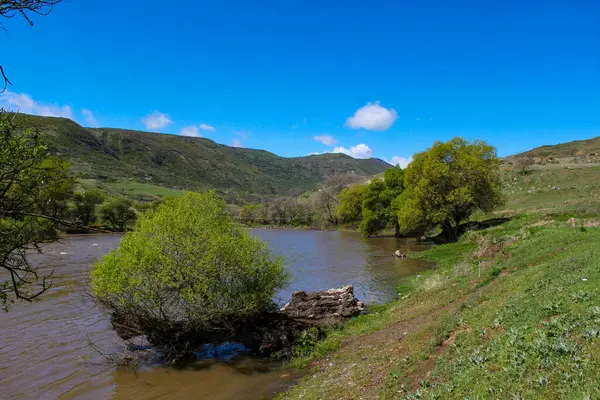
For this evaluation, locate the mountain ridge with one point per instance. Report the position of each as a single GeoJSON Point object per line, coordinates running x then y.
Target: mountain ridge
{"type": "Point", "coordinates": [181, 162]}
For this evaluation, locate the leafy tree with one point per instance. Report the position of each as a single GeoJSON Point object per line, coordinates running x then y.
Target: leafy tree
{"type": "Point", "coordinates": [378, 208]}
{"type": "Point", "coordinates": [188, 268]}
{"type": "Point", "coordinates": [34, 188]}
{"type": "Point", "coordinates": [118, 213]}
{"type": "Point", "coordinates": [349, 209]}
{"type": "Point", "coordinates": [85, 206]}
{"type": "Point", "coordinates": [447, 183]}
{"type": "Point", "coordinates": [249, 213]}
{"type": "Point", "coordinates": [329, 193]}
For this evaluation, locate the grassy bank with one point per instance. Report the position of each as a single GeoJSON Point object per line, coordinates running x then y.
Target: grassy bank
{"type": "Point", "coordinates": [509, 312]}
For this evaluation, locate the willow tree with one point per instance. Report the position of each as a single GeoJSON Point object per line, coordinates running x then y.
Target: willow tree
{"type": "Point", "coordinates": [378, 208]}
{"type": "Point", "coordinates": [447, 183]}
{"type": "Point", "coordinates": [187, 275]}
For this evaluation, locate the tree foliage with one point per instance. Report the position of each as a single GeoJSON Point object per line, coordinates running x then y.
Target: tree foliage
{"type": "Point", "coordinates": [34, 189]}
{"type": "Point", "coordinates": [447, 183]}
{"type": "Point", "coordinates": [329, 193]}
{"type": "Point", "coordinates": [187, 264]}
{"type": "Point", "coordinates": [118, 213]}
{"type": "Point", "coordinates": [84, 206]}
{"type": "Point", "coordinates": [349, 209]}
{"type": "Point", "coordinates": [377, 208]}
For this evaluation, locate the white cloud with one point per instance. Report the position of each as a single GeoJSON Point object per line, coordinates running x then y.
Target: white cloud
{"type": "Point", "coordinates": [314, 153]}
{"type": "Point", "coordinates": [358, 151]}
{"type": "Point", "coordinates": [243, 135]}
{"type": "Point", "coordinates": [190, 130]}
{"type": "Point", "coordinates": [156, 120]}
{"type": "Point", "coordinates": [325, 139]}
{"type": "Point", "coordinates": [24, 103]}
{"type": "Point", "coordinates": [206, 127]}
{"type": "Point", "coordinates": [90, 120]}
{"type": "Point", "coordinates": [372, 117]}
{"type": "Point", "coordinates": [401, 161]}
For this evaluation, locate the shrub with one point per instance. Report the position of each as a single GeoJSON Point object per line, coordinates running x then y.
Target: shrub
{"type": "Point", "coordinates": [187, 268]}
{"type": "Point", "coordinates": [118, 213]}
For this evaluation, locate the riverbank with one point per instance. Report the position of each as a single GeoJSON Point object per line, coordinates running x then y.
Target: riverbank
{"type": "Point", "coordinates": [511, 310]}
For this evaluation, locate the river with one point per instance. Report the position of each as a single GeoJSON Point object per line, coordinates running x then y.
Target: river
{"type": "Point", "coordinates": [45, 351]}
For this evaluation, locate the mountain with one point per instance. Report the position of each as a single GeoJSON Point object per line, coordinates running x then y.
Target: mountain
{"type": "Point", "coordinates": [179, 162]}
{"type": "Point", "coordinates": [575, 152]}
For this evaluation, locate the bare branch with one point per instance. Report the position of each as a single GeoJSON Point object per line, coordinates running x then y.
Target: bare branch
{"type": "Point", "coordinates": [6, 80]}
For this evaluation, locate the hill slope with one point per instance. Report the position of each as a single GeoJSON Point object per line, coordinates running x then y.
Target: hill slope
{"type": "Point", "coordinates": [179, 162]}
{"type": "Point", "coordinates": [575, 152]}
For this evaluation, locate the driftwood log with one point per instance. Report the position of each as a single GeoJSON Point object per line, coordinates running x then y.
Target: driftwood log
{"type": "Point", "coordinates": [326, 305]}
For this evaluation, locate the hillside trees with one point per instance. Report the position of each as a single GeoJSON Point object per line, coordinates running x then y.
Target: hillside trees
{"type": "Point", "coordinates": [447, 183]}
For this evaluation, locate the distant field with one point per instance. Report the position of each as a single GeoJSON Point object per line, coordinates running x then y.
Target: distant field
{"type": "Point", "coordinates": [134, 190]}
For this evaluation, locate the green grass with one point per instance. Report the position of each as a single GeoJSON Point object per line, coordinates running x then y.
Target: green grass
{"type": "Point", "coordinates": [134, 190]}
{"type": "Point", "coordinates": [534, 334]}
{"type": "Point", "coordinates": [558, 190]}
{"type": "Point", "coordinates": [521, 302]}
{"type": "Point", "coordinates": [512, 311]}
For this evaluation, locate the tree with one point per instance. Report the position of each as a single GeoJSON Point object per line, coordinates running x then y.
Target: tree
{"type": "Point", "coordinates": [523, 162]}
{"type": "Point", "coordinates": [188, 274]}
{"type": "Point", "coordinates": [378, 209]}
{"type": "Point", "coordinates": [447, 183]}
{"type": "Point", "coordinates": [118, 213]}
{"type": "Point", "coordinates": [349, 209]}
{"type": "Point", "coordinates": [329, 193]}
{"type": "Point", "coordinates": [249, 213]}
{"type": "Point", "coordinates": [23, 8]}
{"type": "Point", "coordinates": [85, 206]}
{"type": "Point", "coordinates": [34, 187]}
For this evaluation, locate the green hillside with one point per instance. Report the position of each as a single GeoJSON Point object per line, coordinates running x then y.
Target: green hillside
{"type": "Point", "coordinates": [575, 152]}
{"type": "Point", "coordinates": [178, 162]}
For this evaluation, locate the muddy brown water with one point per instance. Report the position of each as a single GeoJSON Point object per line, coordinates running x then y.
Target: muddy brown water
{"type": "Point", "coordinates": [44, 346]}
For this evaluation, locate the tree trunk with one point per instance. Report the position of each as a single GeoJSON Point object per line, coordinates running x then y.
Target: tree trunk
{"type": "Point", "coordinates": [450, 231]}
{"type": "Point", "coordinates": [397, 228]}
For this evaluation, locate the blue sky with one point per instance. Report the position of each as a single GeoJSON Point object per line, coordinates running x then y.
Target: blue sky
{"type": "Point", "coordinates": [368, 78]}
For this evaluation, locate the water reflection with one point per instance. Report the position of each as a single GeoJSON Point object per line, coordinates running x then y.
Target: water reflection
{"type": "Point", "coordinates": [324, 259]}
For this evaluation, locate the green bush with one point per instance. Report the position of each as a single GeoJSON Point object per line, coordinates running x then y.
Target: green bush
{"type": "Point", "coordinates": [188, 264]}
{"type": "Point", "coordinates": [118, 214]}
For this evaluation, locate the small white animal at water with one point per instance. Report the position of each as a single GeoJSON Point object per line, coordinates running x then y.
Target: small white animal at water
{"type": "Point", "coordinates": [399, 254]}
